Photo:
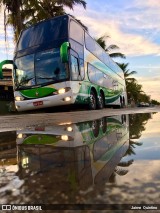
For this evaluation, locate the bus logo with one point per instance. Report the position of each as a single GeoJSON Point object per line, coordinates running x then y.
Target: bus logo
{"type": "Point", "coordinates": [37, 94]}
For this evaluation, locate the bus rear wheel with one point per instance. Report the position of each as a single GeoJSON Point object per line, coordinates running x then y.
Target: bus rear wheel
{"type": "Point", "coordinates": [100, 102]}
{"type": "Point", "coordinates": [92, 101]}
{"type": "Point", "coordinates": [122, 102]}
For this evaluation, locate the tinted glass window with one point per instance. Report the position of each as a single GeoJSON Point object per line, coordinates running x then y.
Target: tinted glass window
{"type": "Point", "coordinates": [74, 67]}
{"type": "Point", "coordinates": [43, 32]}
{"type": "Point", "coordinates": [94, 48]}
{"type": "Point", "coordinates": [78, 48]}
{"type": "Point", "coordinates": [24, 74]}
{"type": "Point", "coordinates": [48, 66]}
{"type": "Point", "coordinates": [95, 75]}
{"type": "Point", "coordinates": [40, 68]}
{"type": "Point", "coordinates": [81, 66]}
{"type": "Point", "coordinates": [107, 81]}
{"type": "Point", "coordinates": [76, 32]}
{"type": "Point", "coordinates": [99, 77]}
{"type": "Point", "coordinates": [90, 43]}
{"type": "Point", "coordinates": [120, 72]}
{"type": "Point", "coordinates": [92, 73]}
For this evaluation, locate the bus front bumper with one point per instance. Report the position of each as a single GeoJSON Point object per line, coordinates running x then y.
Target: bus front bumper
{"type": "Point", "coordinates": [50, 101]}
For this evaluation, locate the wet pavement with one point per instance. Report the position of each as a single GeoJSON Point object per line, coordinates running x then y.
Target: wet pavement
{"type": "Point", "coordinates": [15, 120]}
{"type": "Point", "coordinates": [103, 163]}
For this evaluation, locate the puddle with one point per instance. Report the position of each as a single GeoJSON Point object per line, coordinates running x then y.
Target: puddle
{"type": "Point", "coordinates": [112, 160]}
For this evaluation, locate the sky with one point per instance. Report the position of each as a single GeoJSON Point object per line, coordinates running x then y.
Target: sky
{"type": "Point", "coordinates": [132, 25]}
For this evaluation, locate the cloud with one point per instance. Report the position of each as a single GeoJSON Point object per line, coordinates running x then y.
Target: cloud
{"type": "Point", "coordinates": [151, 172]}
{"type": "Point", "coordinates": [147, 67]}
{"type": "Point", "coordinates": [151, 86]}
{"type": "Point", "coordinates": [119, 26]}
{"type": "Point", "coordinates": [148, 3]}
{"type": "Point", "coordinates": [131, 44]}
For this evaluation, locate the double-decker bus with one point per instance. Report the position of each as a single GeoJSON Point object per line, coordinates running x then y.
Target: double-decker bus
{"type": "Point", "coordinates": [57, 62]}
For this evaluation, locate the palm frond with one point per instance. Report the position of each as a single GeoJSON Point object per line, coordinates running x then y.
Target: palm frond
{"type": "Point", "coordinates": [71, 3]}
{"type": "Point", "coordinates": [125, 164]}
{"type": "Point", "coordinates": [118, 54]}
{"type": "Point", "coordinates": [121, 172]}
{"type": "Point", "coordinates": [112, 47]}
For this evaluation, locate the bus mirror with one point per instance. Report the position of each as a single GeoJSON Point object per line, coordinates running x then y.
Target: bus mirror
{"type": "Point", "coordinates": [64, 51]}
{"type": "Point", "coordinates": [1, 66]}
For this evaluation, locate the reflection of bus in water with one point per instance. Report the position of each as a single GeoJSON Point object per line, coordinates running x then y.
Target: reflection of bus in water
{"type": "Point", "coordinates": [91, 148]}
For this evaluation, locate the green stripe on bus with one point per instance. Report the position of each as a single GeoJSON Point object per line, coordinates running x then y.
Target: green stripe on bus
{"type": "Point", "coordinates": [41, 139]}
{"type": "Point", "coordinates": [38, 92]}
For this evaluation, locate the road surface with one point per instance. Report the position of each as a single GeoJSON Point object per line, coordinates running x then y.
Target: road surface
{"type": "Point", "coordinates": [15, 122]}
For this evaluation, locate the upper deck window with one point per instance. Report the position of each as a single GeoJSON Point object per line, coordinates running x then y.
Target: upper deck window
{"type": "Point", "coordinates": [43, 32]}
{"type": "Point", "coordinates": [76, 32]}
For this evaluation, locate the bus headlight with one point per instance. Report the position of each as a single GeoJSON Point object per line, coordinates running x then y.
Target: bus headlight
{"type": "Point", "coordinates": [64, 137]}
{"type": "Point", "coordinates": [61, 91]}
{"type": "Point", "coordinates": [67, 98]}
{"type": "Point", "coordinates": [69, 129]}
{"type": "Point", "coordinates": [19, 98]}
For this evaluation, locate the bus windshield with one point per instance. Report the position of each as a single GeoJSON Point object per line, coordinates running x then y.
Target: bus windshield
{"type": "Point", "coordinates": [39, 68]}
{"type": "Point", "coordinates": [43, 32]}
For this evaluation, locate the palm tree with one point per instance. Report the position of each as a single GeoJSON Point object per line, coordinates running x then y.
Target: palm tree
{"type": "Point", "coordinates": [133, 88]}
{"type": "Point", "coordinates": [127, 72]}
{"type": "Point", "coordinates": [101, 41]}
{"type": "Point", "coordinates": [22, 13]}
{"type": "Point", "coordinates": [13, 9]}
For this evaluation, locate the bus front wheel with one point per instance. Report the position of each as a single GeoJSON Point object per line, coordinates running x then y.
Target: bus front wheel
{"type": "Point", "coordinates": [92, 101]}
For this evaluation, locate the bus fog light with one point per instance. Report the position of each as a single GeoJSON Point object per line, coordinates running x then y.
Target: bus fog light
{"type": "Point", "coordinates": [19, 136]}
{"type": "Point", "coordinates": [67, 98]}
{"type": "Point", "coordinates": [69, 129]}
{"type": "Point", "coordinates": [64, 137]}
{"type": "Point", "coordinates": [17, 107]}
{"type": "Point", "coordinates": [19, 98]}
{"type": "Point", "coordinates": [61, 91]}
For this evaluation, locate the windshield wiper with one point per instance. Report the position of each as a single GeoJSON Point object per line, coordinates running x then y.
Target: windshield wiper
{"type": "Point", "coordinates": [25, 80]}
{"type": "Point", "coordinates": [53, 78]}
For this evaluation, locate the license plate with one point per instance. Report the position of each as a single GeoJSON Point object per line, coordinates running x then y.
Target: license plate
{"type": "Point", "coordinates": [38, 103]}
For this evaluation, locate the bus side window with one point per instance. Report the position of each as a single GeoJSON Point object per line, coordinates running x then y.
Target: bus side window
{"type": "Point", "coordinates": [81, 67]}
{"type": "Point", "coordinates": [74, 67]}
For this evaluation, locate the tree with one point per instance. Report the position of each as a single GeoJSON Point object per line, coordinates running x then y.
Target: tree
{"type": "Point", "coordinates": [154, 102]}
{"type": "Point", "coordinates": [127, 72]}
{"type": "Point", "coordinates": [12, 11]}
{"type": "Point", "coordinates": [101, 41]}
{"type": "Point", "coordinates": [133, 88]}
{"type": "Point", "coordinates": [23, 13]}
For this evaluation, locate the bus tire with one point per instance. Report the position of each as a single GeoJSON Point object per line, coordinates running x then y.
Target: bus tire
{"type": "Point", "coordinates": [121, 102]}
{"type": "Point", "coordinates": [92, 101]}
{"type": "Point", "coordinates": [95, 128]}
{"type": "Point", "coordinates": [100, 101]}
{"type": "Point", "coordinates": [124, 104]}
{"type": "Point", "coordinates": [104, 124]}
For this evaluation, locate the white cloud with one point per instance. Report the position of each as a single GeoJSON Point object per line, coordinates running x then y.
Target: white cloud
{"type": "Point", "coordinates": [147, 67]}
{"type": "Point", "coordinates": [150, 173]}
{"type": "Point", "coordinates": [151, 86]}
{"type": "Point", "coordinates": [131, 44]}
{"type": "Point", "coordinates": [148, 3]}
